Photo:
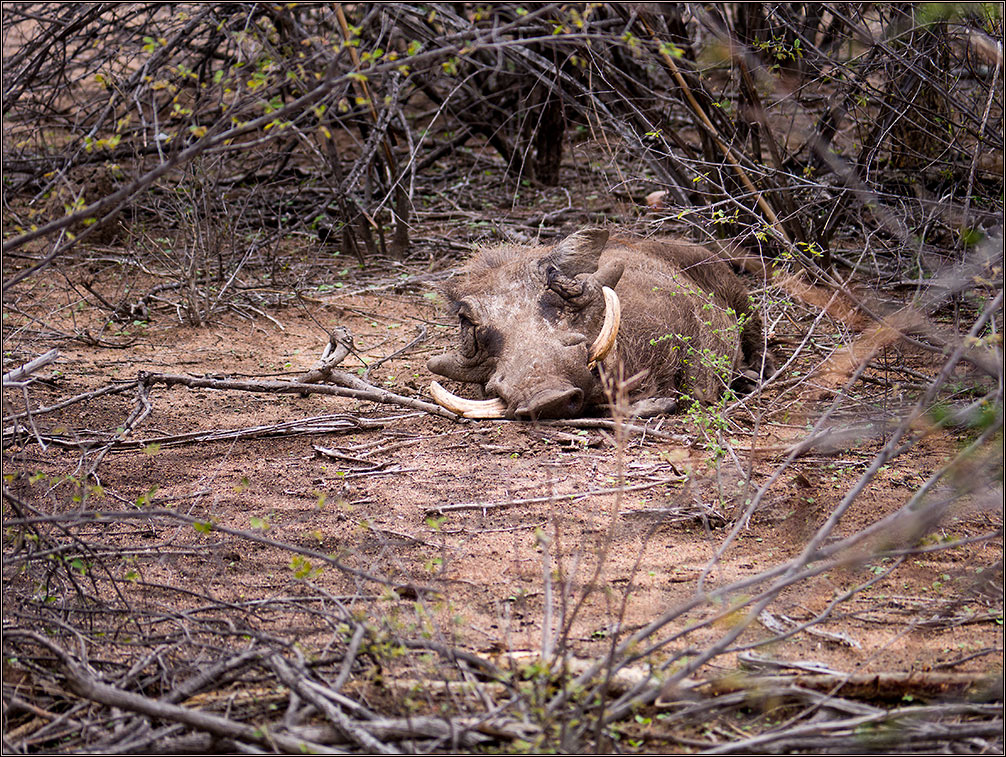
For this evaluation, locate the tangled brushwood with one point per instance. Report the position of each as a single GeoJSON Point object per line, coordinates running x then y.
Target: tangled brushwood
{"type": "Point", "coordinates": [234, 262]}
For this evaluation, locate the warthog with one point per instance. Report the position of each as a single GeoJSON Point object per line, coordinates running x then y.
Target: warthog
{"type": "Point", "coordinates": [540, 325]}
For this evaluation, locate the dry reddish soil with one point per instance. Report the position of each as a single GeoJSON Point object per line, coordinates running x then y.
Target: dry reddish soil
{"type": "Point", "coordinates": [537, 492]}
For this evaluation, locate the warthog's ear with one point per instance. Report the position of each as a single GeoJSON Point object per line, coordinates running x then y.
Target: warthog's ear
{"type": "Point", "coordinates": [579, 252]}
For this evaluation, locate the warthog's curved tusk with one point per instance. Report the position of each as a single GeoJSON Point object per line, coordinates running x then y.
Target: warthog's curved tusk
{"type": "Point", "coordinates": [609, 330]}
{"type": "Point", "coordinates": [493, 408]}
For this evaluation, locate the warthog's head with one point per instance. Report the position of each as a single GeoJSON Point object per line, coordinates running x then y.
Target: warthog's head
{"type": "Point", "coordinates": [535, 322]}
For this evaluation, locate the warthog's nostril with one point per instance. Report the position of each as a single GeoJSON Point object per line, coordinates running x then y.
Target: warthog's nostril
{"type": "Point", "coordinates": [574, 404]}
{"type": "Point", "coordinates": [552, 403]}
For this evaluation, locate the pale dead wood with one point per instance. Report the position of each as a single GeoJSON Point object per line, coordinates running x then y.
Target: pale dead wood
{"type": "Point", "coordinates": [347, 386]}
{"type": "Point", "coordinates": [911, 721]}
{"type": "Point", "coordinates": [572, 496]}
{"type": "Point", "coordinates": [340, 345]}
{"type": "Point", "coordinates": [315, 694]}
{"type": "Point", "coordinates": [869, 686]}
{"type": "Point", "coordinates": [84, 684]}
{"type": "Point", "coordinates": [22, 373]}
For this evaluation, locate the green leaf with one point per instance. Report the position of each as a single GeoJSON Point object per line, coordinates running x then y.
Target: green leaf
{"type": "Point", "coordinates": [146, 498]}
{"type": "Point", "coordinates": [300, 566]}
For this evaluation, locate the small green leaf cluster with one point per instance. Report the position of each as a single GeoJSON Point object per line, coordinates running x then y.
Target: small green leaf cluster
{"type": "Point", "coordinates": [780, 49]}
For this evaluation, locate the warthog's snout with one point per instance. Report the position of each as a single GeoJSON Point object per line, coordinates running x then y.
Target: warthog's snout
{"type": "Point", "coordinates": [546, 377]}
{"type": "Point", "coordinates": [552, 403]}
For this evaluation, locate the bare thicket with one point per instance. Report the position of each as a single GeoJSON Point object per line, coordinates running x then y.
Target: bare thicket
{"type": "Point", "coordinates": [218, 156]}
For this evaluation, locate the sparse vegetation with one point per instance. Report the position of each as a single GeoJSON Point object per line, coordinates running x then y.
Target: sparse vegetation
{"type": "Point", "coordinates": [232, 520]}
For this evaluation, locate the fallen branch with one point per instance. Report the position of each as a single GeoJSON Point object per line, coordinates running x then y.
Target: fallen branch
{"type": "Point", "coordinates": [108, 389]}
{"type": "Point", "coordinates": [322, 424]}
{"type": "Point", "coordinates": [551, 498]}
{"type": "Point", "coordinates": [869, 686]}
{"type": "Point", "coordinates": [347, 386]}
{"type": "Point", "coordinates": [315, 694]}
{"type": "Point", "coordinates": [914, 723]}
{"type": "Point", "coordinates": [340, 344]}
{"type": "Point", "coordinates": [19, 375]}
